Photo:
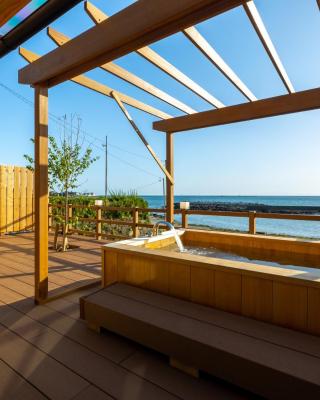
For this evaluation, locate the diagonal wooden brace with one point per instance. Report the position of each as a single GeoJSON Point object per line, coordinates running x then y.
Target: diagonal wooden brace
{"type": "Point", "coordinates": [139, 133]}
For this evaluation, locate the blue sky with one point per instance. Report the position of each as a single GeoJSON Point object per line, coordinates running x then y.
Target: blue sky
{"type": "Point", "coordinates": [276, 156]}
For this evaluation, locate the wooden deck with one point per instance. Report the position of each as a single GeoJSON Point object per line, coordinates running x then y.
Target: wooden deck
{"type": "Point", "coordinates": [47, 351]}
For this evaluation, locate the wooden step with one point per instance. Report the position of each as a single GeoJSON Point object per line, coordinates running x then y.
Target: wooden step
{"type": "Point", "coordinates": [271, 361]}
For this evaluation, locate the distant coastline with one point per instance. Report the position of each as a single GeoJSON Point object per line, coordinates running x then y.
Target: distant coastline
{"type": "Point", "coordinates": [278, 204]}
{"type": "Point", "coordinates": [243, 206]}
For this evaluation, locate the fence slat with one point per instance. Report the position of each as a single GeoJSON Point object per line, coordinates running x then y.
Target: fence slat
{"type": "Point", "coordinates": [10, 199]}
{"type": "Point", "coordinates": [16, 198]}
{"type": "Point", "coordinates": [3, 199]}
{"type": "Point", "coordinates": [29, 200]}
{"type": "Point", "coordinates": [23, 199]}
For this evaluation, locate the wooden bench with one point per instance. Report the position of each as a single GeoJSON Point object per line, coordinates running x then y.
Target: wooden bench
{"type": "Point", "coordinates": [268, 360]}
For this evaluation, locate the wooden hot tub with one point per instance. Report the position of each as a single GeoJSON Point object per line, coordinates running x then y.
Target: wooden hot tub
{"type": "Point", "coordinates": [280, 282]}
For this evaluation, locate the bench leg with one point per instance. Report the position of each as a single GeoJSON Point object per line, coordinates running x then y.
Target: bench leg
{"type": "Point", "coordinates": [94, 327]}
{"type": "Point", "coordinates": [187, 369]}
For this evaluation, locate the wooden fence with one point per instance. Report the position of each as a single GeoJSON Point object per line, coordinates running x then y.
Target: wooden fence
{"type": "Point", "coordinates": [134, 223]}
{"type": "Point", "coordinates": [16, 199]}
{"type": "Point", "coordinates": [251, 215]}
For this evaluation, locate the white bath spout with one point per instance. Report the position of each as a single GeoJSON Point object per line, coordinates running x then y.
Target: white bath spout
{"type": "Point", "coordinates": [172, 228]}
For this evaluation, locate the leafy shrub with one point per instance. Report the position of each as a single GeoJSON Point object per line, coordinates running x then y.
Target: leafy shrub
{"type": "Point", "coordinates": [115, 199]}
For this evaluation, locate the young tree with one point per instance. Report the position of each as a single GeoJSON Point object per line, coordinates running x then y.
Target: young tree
{"type": "Point", "coordinates": [67, 161]}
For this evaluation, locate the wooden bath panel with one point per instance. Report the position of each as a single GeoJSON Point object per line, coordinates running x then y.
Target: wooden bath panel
{"type": "Point", "coordinates": [286, 300]}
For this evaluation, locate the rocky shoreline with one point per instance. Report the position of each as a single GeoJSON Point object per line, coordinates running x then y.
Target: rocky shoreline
{"type": "Point", "coordinates": [264, 208]}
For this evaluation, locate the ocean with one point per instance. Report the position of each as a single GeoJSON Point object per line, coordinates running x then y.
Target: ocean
{"type": "Point", "coordinates": [308, 229]}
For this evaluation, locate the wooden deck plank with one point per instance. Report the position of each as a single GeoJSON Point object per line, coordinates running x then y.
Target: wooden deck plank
{"type": "Point", "coordinates": [92, 393]}
{"type": "Point", "coordinates": [43, 345]}
{"type": "Point", "coordinates": [15, 386]}
{"type": "Point", "coordinates": [269, 333]}
{"type": "Point", "coordinates": [67, 270]}
{"type": "Point", "coordinates": [103, 373]}
{"type": "Point", "coordinates": [157, 369]}
{"type": "Point", "coordinates": [40, 370]}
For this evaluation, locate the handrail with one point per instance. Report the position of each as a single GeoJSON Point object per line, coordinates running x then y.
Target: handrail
{"type": "Point", "coordinates": [98, 220]}
{"type": "Point", "coordinates": [135, 224]}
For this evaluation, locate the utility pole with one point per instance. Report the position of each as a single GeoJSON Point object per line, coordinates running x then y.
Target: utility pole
{"type": "Point", "coordinates": [106, 170]}
{"type": "Point", "coordinates": [164, 193]}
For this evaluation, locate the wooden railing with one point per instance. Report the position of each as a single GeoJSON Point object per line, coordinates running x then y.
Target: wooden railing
{"type": "Point", "coordinates": [135, 223]}
{"type": "Point", "coordinates": [251, 215]}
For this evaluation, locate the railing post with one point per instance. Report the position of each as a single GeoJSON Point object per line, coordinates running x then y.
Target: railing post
{"type": "Point", "coordinates": [98, 223]}
{"type": "Point", "coordinates": [252, 222]}
{"type": "Point", "coordinates": [50, 217]}
{"type": "Point", "coordinates": [184, 219]}
{"type": "Point", "coordinates": [135, 221]}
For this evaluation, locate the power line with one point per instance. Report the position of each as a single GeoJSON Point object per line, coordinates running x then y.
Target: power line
{"type": "Point", "coordinates": [56, 119]}
{"type": "Point", "coordinates": [149, 184]}
{"type": "Point", "coordinates": [124, 161]}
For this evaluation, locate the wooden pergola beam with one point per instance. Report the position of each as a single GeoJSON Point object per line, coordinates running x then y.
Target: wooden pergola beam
{"type": "Point", "coordinates": [202, 44]}
{"type": "Point", "coordinates": [170, 185]}
{"type": "Point", "coordinates": [158, 61]}
{"type": "Point", "coordinates": [41, 195]}
{"type": "Point", "coordinates": [100, 88]}
{"type": "Point", "coordinates": [60, 39]}
{"type": "Point", "coordinates": [281, 105]}
{"type": "Point", "coordinates": [9, 9]}
{"type": "Point", "coordinates": [138, 25]}
{"type": "Point", "coordinates": [265, 38]}
{"type": "Point", "coordinates": [141, 136]}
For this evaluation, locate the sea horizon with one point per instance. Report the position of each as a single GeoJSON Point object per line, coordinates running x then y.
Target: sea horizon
{"type": "Point", "coordinates": [305, 229]}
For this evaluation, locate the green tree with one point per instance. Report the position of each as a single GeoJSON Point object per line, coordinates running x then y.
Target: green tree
{"type": "Point", "coordinates": [67, 161]}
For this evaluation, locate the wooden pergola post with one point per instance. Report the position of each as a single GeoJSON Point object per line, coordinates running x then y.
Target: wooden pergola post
{"type": "Point", "coordinates": [41, 196]}
{"type": "Point", "coordinates": [170, 185]}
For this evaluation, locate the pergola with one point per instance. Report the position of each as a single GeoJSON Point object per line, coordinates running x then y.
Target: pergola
{"type": "Point", "coordinates": [132, 30]}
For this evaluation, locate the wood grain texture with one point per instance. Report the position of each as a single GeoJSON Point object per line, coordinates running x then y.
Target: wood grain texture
{"type": "Point", "coordinates": [115, 69]}
{"type": "Point", "coordinates": [110, 270]}
{"type": "Point", "coordinates": [41, 197]}
{"type": "Point", "coordinates": [179, 280]}
{"type": "Point", "coordinates": [257, 298]}
{"type": "Point", "coordinates": [13, 199]}
{"type": "Point", "coordinates": [159, 276]}
{"type": "Point", "coordinates": [133, 270]}
{"type": "Point", "coordinates": [210, 53]}
{"type": "Point", "coordinates": [314, 311]}
{"type": "Point", "coordinates": [290, 305]}
{"type": "Point", "coordinates": [227, 291]}
{"type": "Point", "coordinates": [291, 103]}
{"type": "Point", "coordinates": [10, 199]}
{"type": "Point", "coordinates": [153, 57]}
{"type": "Point", "coordinates": [202, 286]}
{"type": "Point", "coordinates": [142, 138]}
{"type": "Point", "coordinates": [138, 25]}
{"type": "Point", "coordinates": [9, 9]}
{"type": "Point", "coordinates": [158, 61]}
{"type": "Point", "coordinates": [3, 199]}
{"type": "Point", "coordinates": [23, 199]}
{"type": "Point", "coordinates": [169, 183]}
{"type": "Point", "coordinates": [16, 199]}
{"type": "Point", "coordinates": [267, 43]}
{"type": "Point", "coordinates": [30, 199]}
{"type": "Point", "coordinates": [98, 87]}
